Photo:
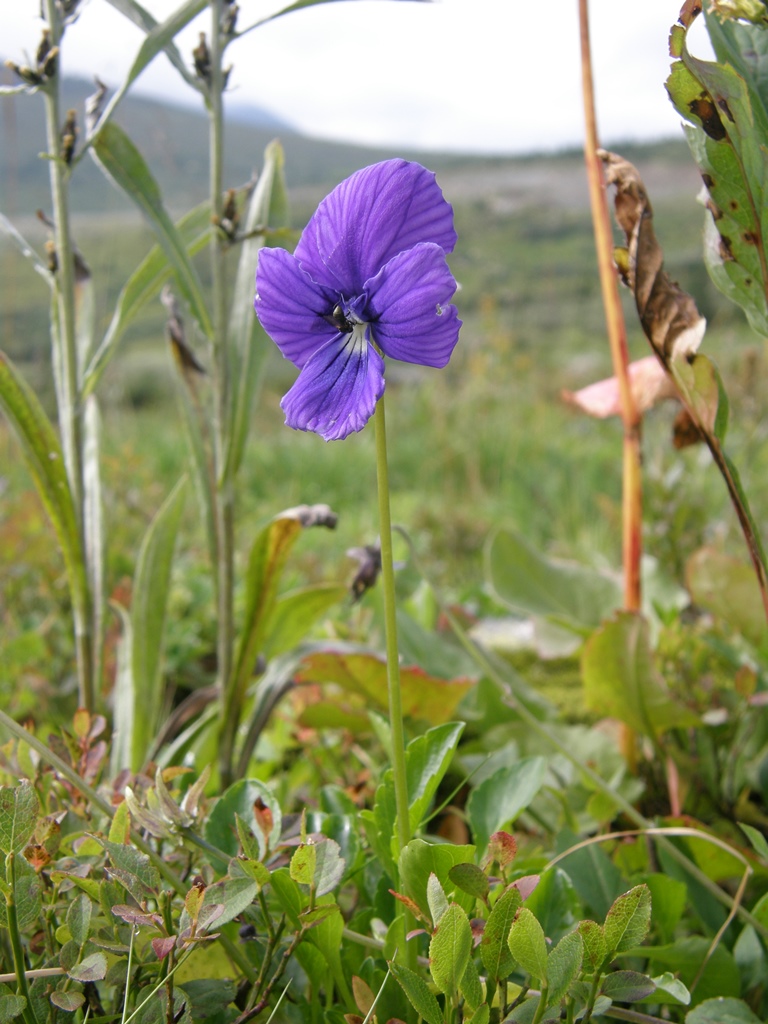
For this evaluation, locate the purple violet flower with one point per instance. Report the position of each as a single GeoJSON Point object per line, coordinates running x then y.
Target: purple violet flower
{"type": "Point", "coordinates": [368, 278]}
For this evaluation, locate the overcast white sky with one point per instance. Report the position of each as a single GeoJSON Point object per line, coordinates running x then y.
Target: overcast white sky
{"type": "Point", "coordinates": [472, 75]}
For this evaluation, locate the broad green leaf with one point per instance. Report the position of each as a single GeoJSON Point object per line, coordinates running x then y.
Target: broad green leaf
{"type": "Point", "coordinates": [288, 895]}
{"type": "Point", "coordinates": [500, 798]}
{"type": "Point", "coordinates": [12, 1006]}
{"type": "Point", "coordinates": [620, 680]}
{"type": "Point", "coordinates": [592, 874]}
{"type": "Point", "coordinates": [565, 593]}
{"type": "Point", "coordinates": [144, 284]}
{"type": "Point", "coordinates": [563, 964]}
{"type": "Point", "coordinates": [159, 38]}
{"type": "Point", "coordinates": [481, 1015]}
{"type": "Point", "coordinates": [724, 141]}
{"type": "Point", "coordinates": [419, 860]}
{"type": "Point", "coordinates": [727, 588]}
{"type": "Point", "coordinates": [45, 461]}
{"type": "Point", "coordinates": [668, 899]}
{"type": "Point", "coordinates": [745, 48]}
{"type": "Point", "coordinates": [627, 986]}
{"type": "Point", "coordinates": [528, 946]}
{"type": "Point", "coordinates": [701, 388]}
{"type": "Point", "coordinates": [470, 879]}
{"type": "Point", "coordinates": [79, 918]}
{"type": "Point", "coordinates": [92, 968]}
{"type": "Point", "coordinates": [296, 613]}
{"type": "Point", "coordinates": [595, 949]}
{"type": "Point", "coordinates": [436, 898]}
{"type": "Point", "coordinates": [147, 620]}
{"type": "Point", "coordinates": [136, 871]}
{"type": "Point", "coordinates": [427, 760]}
{"type": "Point", "coordinates": [234, 894]}
{"type": "Point", "coordinates": [67, 1000]}
{"type": "Point", "coordinates": [470, 986]}
{"type": "Point", "coordinates": [670, 990]}
{"type": "Point", "coordinates": [329, 866]}
{"type": "Point", "coordinates": [722, 1011]}
{"type": "Point", "coordinates": [26, 888]}
{"type": "Point", "coordinates": [302, 866]}
{"type": "Point", "coordinates": [494, 951]}
{"type": "Point", "coordinates": [248, 342]}
{"type": "Point", "coordinates": [256, 805]}
{"type": "Point", "coordinates": [418, 992]}
{"type": "Point", "coordinates": [426, 697]}
{"type": "Point", "coordinates": [19, 811]}
{"type": "Point", "coordinates": [628, 920]}
{"type": "Point", "coordinates": [757, 840]}
{"type": "Point", "coordinates": [450, 949]}
{"type": "Point", "coordinates": [124, 165]}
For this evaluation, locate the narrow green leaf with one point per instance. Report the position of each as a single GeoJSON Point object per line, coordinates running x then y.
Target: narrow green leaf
{"type": "Point", "coordinates": [418, 992]}
{"type": "Point", "coordinates": [757, 840]}
{"type": "Point", "coordinates": [494, 950]}
{"type": "Point", "coordinates": [143, 19]}
{"type": "Point", "coordinates": [123, 699]}
{"type": "Point", "coordinates": [295, 614]}
{"type": "Point", "coordinates": [481, 1015]}
{"type": "Point", "coordinates": [124, 165]}
{"type": "Point", "coordinates": [450, 949]}
{"type": "Point", "coordinates": [528, 946]}
{"type": "Point", "coordinates": [628, 920]}
{"type": "Point", "coordinates": [158, 39]}
{"type": "Point", "coordinates": [268, 208]}
{"type": "Point", "coordinates": [148, 613]}
{"type": "Point", "coordinates": [93, 525]}
{"type": "Point", "coordinates": [144, 284]}
{"type": "Point", "coordinates": [26, 249]}
{"type": "Point", "coordinates": [19, 811]}
{"type": "Point", "coordinates": [45, 461]}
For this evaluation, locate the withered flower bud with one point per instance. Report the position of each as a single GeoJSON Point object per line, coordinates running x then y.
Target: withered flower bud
{"type": "Point", "coordinates": [25, 73]}
{"type": "Point", "coordinates": [183, 355]}
{"type": "Point", "coordinates": [230, 215]}
{"type": "Point", "coordinates": [226, 72]}
{"type": "Point", "coordinates": [93, 105]}
{"type": "Point", "coordinates": [69, 137]}
{"type": "Point", "coordinates": [229, 20]}
{"type": "Point", "coordinates": [50, 65]}
{"type": "Point", "coordinates": [202, 59]}
{"type": "Point", "coordinates": [53, 259]}
{"type": "Point", "coordinates": [44, 47]}
{"type": "Point", "coordinates": [368, 560]}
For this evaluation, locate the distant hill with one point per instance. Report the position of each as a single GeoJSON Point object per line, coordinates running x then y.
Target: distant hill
{"type": "Point", "coordinates": [174, 141]}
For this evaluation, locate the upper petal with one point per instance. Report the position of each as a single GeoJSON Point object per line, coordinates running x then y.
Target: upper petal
{"type": "Point", "coordinates": [291, 306]}
{"type": "Point", "coordinates": [338, 388]}
{"type": "Point", "coordinates": [371, 217]}
{"type": "Point", "coordinates": [408, 304]}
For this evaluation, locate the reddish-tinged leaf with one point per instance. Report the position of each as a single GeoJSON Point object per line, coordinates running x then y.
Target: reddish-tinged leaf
{"type": "Point", "coordinates": [502, 849]}
{"type": "Point", "coordinates": [163, 947]}
{"type": "Point", "coordinates": [424, 695]}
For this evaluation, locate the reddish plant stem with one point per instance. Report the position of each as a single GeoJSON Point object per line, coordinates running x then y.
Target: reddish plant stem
{"type": "Point", "coordinates": [632, 507]}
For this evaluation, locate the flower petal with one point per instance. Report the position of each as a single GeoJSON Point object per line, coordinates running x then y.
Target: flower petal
{"type": "Point", "coordinates": [408, 306]}
{"type": "Point", "coordinates": [291, 306]}
{"type": "Point", "coordinates": [338, 388]}
{"type": "Point", "coordinates": [371, 217]}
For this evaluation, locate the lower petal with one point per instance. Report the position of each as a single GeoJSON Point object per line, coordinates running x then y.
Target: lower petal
{"type": "Point", "coordinates": [338, 388]}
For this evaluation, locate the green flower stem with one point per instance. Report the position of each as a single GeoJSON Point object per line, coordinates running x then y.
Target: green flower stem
{"type": "Point", "coordinates": [223, 496]}
{"type": "Point", "coordinates": [390, 626]}
{"type": "Point", "coordinates": [65, 356]}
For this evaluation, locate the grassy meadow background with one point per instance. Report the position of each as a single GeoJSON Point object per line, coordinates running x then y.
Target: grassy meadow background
{"type": "Point", "coordinates": [487, 442]}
